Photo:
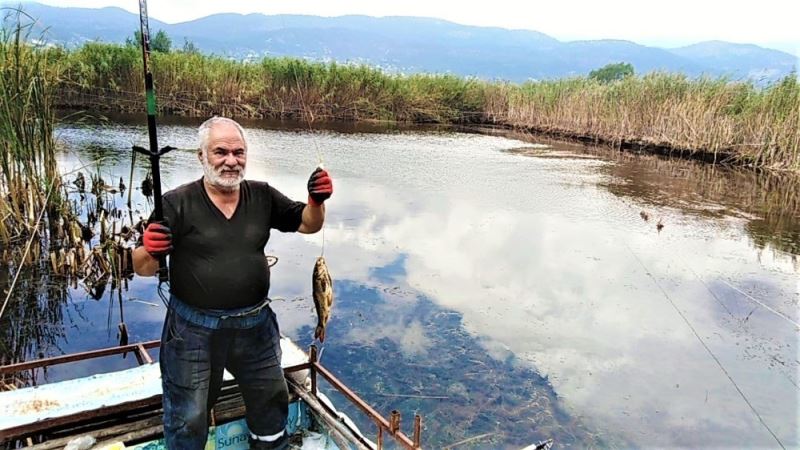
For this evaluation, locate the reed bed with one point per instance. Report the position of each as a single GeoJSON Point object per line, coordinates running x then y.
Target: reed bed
{"type": "Point", "coordinates": [30, 190]}
{"type": "Point", "coordinates": [734, 122]}
{"type": "Point", "coordinates": [48, 233]}
{"type": "Point", "coordinates": [106, 76]}
{"type": "Point", "coordinates": [29, 179]}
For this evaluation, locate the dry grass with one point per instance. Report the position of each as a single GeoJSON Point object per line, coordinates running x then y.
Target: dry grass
{"type": "Point", "coordinates": [28, 171]}
{"type": "Point", "coordinates": [757, 126]}
{"type": "Point", "coordinates": [737, 121]}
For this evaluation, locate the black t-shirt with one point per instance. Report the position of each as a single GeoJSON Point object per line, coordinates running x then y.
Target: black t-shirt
{"type": "Point", "coordinates": [219, 263]}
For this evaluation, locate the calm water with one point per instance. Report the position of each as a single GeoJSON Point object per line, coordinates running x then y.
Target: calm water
{"type": "Point", "coordinates": [505, 288]}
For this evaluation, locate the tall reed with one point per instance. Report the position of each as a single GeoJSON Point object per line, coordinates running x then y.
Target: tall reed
{"type": "Point", "coordinates": [739, 121]}
{"type": "Point", "coordinates": [29, 178]}
{"type": "Point", "coordinates": [31, 197]}
{"type": "Point", "coordinates": [753, 125]}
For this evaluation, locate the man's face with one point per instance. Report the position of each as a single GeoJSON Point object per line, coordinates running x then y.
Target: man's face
{"type": "Point", "coordinates": [226, 156]}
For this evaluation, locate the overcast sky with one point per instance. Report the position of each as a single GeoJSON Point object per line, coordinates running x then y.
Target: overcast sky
{"type": "Point", "coordinates": [769, 23]}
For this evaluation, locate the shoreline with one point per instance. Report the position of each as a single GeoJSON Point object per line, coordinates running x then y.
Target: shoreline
{"type": "Point", "coordinates": [721, 158]}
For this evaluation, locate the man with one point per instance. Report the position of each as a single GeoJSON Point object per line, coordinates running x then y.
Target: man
{"type": "Point", "coordinates": [215, 230]}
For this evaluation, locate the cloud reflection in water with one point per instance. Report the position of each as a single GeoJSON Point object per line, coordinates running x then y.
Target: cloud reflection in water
{"type": "Point", "coordinates": [545, 271]}
{"type": "Point", "coordinates": [582, 301]}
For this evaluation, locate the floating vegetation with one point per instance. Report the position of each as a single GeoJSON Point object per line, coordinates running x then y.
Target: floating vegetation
{"type": "Point", "coordinates": [88, 245]}
{"type": "Point", "coordinates": [110, 258]}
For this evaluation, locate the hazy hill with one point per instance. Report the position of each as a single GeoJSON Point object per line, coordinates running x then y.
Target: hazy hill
{"type": "Point", "coordinates": [745, 60]}
{"type": "Point", "coordinates": [413, 44]}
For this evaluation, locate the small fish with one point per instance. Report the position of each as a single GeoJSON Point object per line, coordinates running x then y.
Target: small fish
{"type": "Point", "coordinates": [322, 288]}
{"type": "Point", "coordinates": [659, 225]}
{"type": "Point", "coordinates": [644, 216]}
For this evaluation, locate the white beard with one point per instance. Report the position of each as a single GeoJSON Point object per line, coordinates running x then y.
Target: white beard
{"type": "Point", "coordinates": [216, 179]}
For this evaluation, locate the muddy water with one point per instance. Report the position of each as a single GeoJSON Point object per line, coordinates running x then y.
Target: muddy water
{"type": "Point", "coordinates": [506, 288]}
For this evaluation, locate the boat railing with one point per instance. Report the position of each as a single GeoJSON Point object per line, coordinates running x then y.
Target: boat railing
{"type": "Point", "coordinates": [389, 426]}
{"type": "Point", "coordinates": [385, 426]}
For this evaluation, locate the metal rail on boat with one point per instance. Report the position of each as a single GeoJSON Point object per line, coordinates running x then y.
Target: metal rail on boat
{"type": "Point", "coordinates": [390, 426]}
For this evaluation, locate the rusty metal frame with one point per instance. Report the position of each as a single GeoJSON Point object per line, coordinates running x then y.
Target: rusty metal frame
{"type": "Point", "coordinates": [140, 349]}
{"type": "Point", "coordinates": [390, 426]}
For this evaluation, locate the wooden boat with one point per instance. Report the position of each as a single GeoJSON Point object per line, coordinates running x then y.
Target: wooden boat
{"type": "Point", "coordinates": [122, 409]}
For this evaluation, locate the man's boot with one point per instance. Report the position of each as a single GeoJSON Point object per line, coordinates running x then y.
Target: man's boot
{"type": "Point", "coordinates": [282, 443]}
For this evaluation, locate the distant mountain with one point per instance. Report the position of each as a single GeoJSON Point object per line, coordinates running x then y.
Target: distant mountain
{"type": "Point", "coordinates": [414, 44]}
{"type": "Point", "coordinates": [74, 26]}
{"type": "Point", "coordinates": [745, 60]}
{"type": "Point", "coordinates": [594, 54]}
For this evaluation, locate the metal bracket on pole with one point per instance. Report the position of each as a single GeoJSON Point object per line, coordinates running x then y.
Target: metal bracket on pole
{"type": "Point", "coordinates": [155, 156]}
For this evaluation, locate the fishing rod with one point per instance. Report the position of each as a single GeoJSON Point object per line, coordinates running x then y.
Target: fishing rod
{"type": "Point", "coordinates": [154, 153]}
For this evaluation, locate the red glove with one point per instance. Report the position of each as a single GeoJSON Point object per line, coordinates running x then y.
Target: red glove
{"type": "Point", "coordinates": [157, 239]}
{"type": "Point", "coordinates": [320, 187]}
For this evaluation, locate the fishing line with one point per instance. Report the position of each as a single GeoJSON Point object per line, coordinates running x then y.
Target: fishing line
{"type": "Point", "coordinates": [322, 251]}
{"type": "Point", "coordinates": [313, 138]}
{"type": "Point", "coordinates": [724, 306]}
{"type": "Point", "coordinates": [319, 159]}
{"type": "Point", "coordinates": [741, 322]}
{"type": "Point", "coordinates": [697, 335]}
{"type": "Point", "coordinates": [708, 288]}
{"type": "Point", "coordinates": [310, 114]}
{"type": "Point", "coordinates": [750, 297]}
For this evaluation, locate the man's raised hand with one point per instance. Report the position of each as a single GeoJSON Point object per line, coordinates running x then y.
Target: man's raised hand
{"type": "Point", "coordinates": [320, 187]}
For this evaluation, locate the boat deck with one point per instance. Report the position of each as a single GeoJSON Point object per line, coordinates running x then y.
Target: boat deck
{"type": "Point", "coordinates": [122, 409]}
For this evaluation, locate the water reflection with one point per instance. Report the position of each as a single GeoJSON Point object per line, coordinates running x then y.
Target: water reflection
{"type": "Point", "coordinates": [525, 295]}
{"type": "Point", "coordinates": [574, 301]}
{"type": "Point", "coordinates": [769, 202]}
{"type": "Point", "coordinates": [404, 352]}
{"type": "Point", "coordinates": [32, 322]}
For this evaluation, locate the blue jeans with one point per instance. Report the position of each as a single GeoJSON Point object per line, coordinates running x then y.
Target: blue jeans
{"type": "Point", "coordinates": [196, 346]}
